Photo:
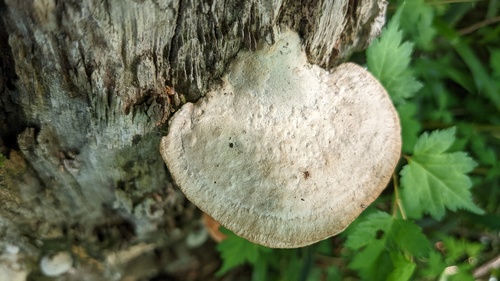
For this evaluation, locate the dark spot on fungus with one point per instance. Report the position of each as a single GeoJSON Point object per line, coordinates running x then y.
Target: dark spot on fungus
{"type": "Point", "coordinates": [306, 174]}
{"type": "Point", "coordinates": [302, 199]}
{"type": "Point", "coordinates": [231, 144]}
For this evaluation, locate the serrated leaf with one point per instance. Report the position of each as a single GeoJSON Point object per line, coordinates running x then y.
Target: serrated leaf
{"type": "Point", "coordinates": [435, 180]}
{"type": "Point", "coordinates": [366, 231]}
{"type": "Point", "coordinates": [380, 236]}
{"type": "Point", "coordinates": [435, 266]}
{"type": "Point", "coordinates": [396, 234]}
{"type": "Point", "coordinates": [478, 144]}
{"type": "Point", "coordinates": [436, 143]}
{"type": "Point", "coordinates": [403, 268]}
{"type": "Point", "coordinates": [457, 249]}
{"type": "Point", "coordinates": [373, 263]}
{"type": "Point", "coordinates": [409, 126]}
{"type": "Point", "coordinates": [409, 237]}
{"type": "Point", "coordinates": [236, 251]}
{"type": "Point", "coordinates": [388, 59]}
{"type": "Point", "coordinates": [416, 20]}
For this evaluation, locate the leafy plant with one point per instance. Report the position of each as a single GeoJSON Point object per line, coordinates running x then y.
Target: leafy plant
{"type": "Point", "coordinates": [388, 59]}
{"type": "Point", "coordinates": [386, 245]}
{"type": "Point", "coordinates": [440, 63]}
{"type": "Point", "coordinates": [435, 179]}
{"type": "Point", "coordinates": [237, 251]}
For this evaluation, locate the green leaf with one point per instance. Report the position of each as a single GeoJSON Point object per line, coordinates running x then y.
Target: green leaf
{"type": "Point", "coordinates": [495, 61]}
{"type": "Point", "coordinates": [366, 231]}
{"type": "Point", "coordinates": [409, 125]}
{"type": "Point", "coordinates": [403, 269]}
{"type": "Point", "coordinates": [260, 268]}
{"type": "Point", "coordinates": [460, 249]}
{"type": "Point", "coordinates": [435, 179]}
{"type": "Point", "coordinates": [388, 59]}
{"type": "Point", "coordinates": [396, 234]}
{"type": "Point", "coordinates": [324, 247]}
{"type": "Point", "coordinates": [408, 236]}
{"type": "Point", "coordinates": [436, 143]}
{"type": "Point", "coordinates": [416, 20]}
{"type": "Point", "coordinates": [236, 251]}
{"type": "Point", "coordinates": [373, 263]}
{"type": "Point", "coordinates": [439, 68]}
{"type": "Point", "coordinates": [291, 268]}
{"type": "Point", "coordinates": [314, 275]}
{"type": "Point", "coordinates": [435, 266]}
{"type": "Point", "coordinates": [333, 273]}
{"type": "Point", "coordinates": [484, 82]}
{"type": "Point", "coordinates": [379, 237]}
{"type": "Point", "coordinates": [470, 136]}
{"type": "Point", "coordinates": [463, 274]}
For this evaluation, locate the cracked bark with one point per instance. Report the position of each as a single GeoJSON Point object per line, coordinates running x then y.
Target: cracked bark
{"type": "Point", "coordinates": [86, 89]}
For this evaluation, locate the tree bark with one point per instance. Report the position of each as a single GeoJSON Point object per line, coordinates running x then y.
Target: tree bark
{"type": "Point", "coordinates": [86, 90]}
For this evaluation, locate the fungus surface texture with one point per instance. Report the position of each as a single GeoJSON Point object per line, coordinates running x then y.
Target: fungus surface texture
{"type": "Point", "coordinates": [285, 153]}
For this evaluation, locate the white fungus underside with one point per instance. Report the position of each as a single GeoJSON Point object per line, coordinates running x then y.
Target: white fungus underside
{"type": "Point", "coordinates": [285, 154]}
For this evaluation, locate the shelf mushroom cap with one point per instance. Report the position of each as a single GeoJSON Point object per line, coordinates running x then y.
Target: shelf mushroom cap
{"type": "Point", "coordinates": [285, 153]}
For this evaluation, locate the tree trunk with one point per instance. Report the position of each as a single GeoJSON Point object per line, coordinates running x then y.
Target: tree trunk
{"type": "Point", "coordinates": [86, 89]}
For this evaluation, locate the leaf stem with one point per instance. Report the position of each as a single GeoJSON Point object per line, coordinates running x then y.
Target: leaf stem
{"type": "Point", "coordinates": [398, 205]}
{"type": "Point", "coordinates": [476, 26]}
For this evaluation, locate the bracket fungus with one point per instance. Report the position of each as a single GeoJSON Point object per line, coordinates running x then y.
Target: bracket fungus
{"type": "Point", "coordinates": [285, 153]}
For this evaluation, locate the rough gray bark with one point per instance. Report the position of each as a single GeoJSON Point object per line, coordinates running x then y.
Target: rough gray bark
{"type": "Point", "coordinates": [86, 89]}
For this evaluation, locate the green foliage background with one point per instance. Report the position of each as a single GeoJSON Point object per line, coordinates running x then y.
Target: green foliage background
{"type": "Point", "coordinates": [439, 218]}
